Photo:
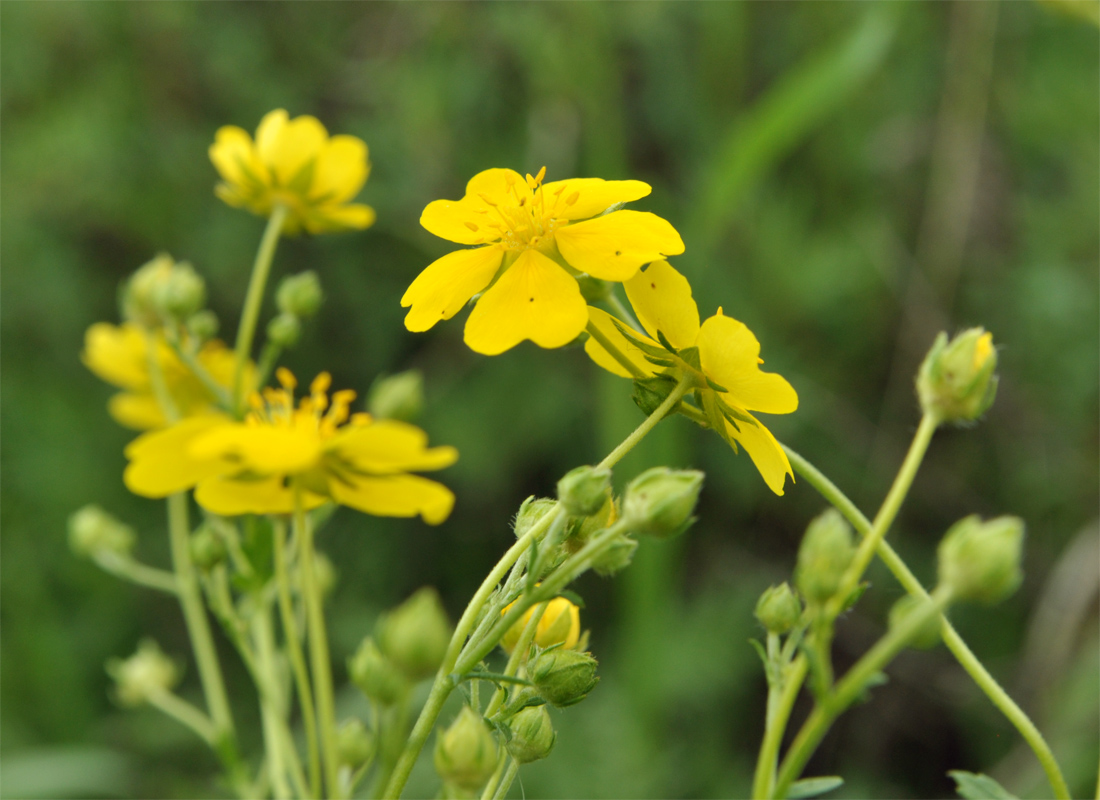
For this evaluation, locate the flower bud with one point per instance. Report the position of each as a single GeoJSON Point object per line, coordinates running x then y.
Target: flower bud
{"type": "Point", "coordinates": [376, 676]}
{"type": "Point", "coordinates": [778, 609]}
{"type": "Point", "coordinates": [324, 574]}
{"type": "Point", "coordinates": [560, 624]}
{"type": "Point", "coordinates": [928, 635]}
{"type": "Point", "coordinates": [354, 743]}
{"type": "Point", "coordinates": [284, 330]}
{"type": "Point", "coordinates": [529, 514]}
{"type": "Point", "coordinates": [137, 295]}
{"type": "Point", "coordinates": [563, 677]}
{"type": "Point", "coordinates": [583, 491]}
{"type": "Point", "coordinates": [466, 753]}
{"type": "Point", "coordinates": [144, 674]}
{"type": "Point", "coordinates": [659, 502]}
{"type": "Point", "coordinates": [299, 295]}
{"type": "Point", "coordinates": [827, 550]}
{"type": "Point", "coordinates": [956, 380]}
{"type": "Point", "coordinates": [92, 530]}
{"type": "Point", "coordinates": [181, 294]}
{"type": "Point", "coordinates": [616, 557]}
{"type": "Point", "coordinates": [207, 548]}
{"type": "Point", "coordinates": [415, 635]}
{"type": "Point", "coordinates": [203, 325]}
{"type": "Point", "coordinates": [532, 734]}
{"type": "Point", "coordinates": [981, 560]}
{"type": "Point", "coordinates": [399, 396]}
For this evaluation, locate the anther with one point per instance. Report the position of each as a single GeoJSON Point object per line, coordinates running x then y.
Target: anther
{"type": "Point", "coordinates": [541, 175]}
{"type": "Point", "coordinates": [286, 378]}
{"type": "Point", "coordinates": [572, 198]}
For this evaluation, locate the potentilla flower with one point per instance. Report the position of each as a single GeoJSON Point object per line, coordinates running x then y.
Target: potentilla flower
{"type": "Point", "coordinates": [535, 240]}
{"type": "Point", "coordinates": [317, 451]}
{"type": "Point", "coordinates": [119, 354]}
{"type": "Point", "coordinates": [295, 163]}
{"type": "Point", "coordinates": [721, 354]}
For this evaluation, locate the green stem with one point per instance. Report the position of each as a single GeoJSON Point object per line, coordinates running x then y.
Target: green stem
{"type": "Point", "coordinates": [615, 352]}
{"type": "Point", "coordinates": [491, 787]}
{"type": "Point", "coordinates": [136, 572]}
{"type": "Point", "coordinates": [261, 267]}
{"type": "Point", "coordinates": [318, 648]}
{"type": "Point", "coordinates": [506, 781]}
{"type": "Point", "coordinates": [268, 358]}
{"type": "Point", "coordinates": [269, 702]}
{"type": "Point", "coordinates": [851, 686]}
{"type": "Point", "coordinates": [955, 643]}
{"type": "Point", "coordinates": [648, 424]}
{"type": "Point", "coordinates": [621, 309]}
{"type": "Point", "coordinates": [776, 726]}
{"type": "Point", "coordinates": [186, 714]}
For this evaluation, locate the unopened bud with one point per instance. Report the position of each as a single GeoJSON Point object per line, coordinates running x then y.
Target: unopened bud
{"type": "Point", "coordinates": [300, 295]}
{"type": "Point", "coordinates": [144, 674]}
{"type": "Point", "coordinates": [324, 574]}
{"type": "Point", "coordinates": [827, 550]}
{"type": "Point", "coordinates": [659, 502]}
{"type": "Point", "coordinates": [376, 676]}
{"type": "Point", "coordinates": [532, 734]}
{"type": "Point", "coordinates": [284, 330]}
{"type": "Point", "coordinates": [530, 513]}
{"type": "Point", "coordinates": [466, 753]}
{"type": "Point", "coordinates": [956, 380]}
{"type": "Point", "coordinates": [181, 294]}
{"type": "Point", "coordinates": [981, 560]}
{"type": "Point", "coordinates": [928, 634]}
{"type": "Point", "coordinates": [778, 609]}
{"type": "Point", "coordinates": [415, 635]}
{"type": "Point", "coordinates": [563, 677]}
{"type": "Point", "coordinates": [138, 294]}
{"type": "Point", "coordinates": [354, 743]}
{"type": "Point", "coordinates": [207, 548]}
{"type": "Point", "coordinates": [203, 325]}
{"type": "Point", "coordinates": [399, 396]}
{"type": "Point", "coordinates": [616, 557]}
{"type": "Point", "coordinates": [560, 624]}
{"type": "Point", "coordinates": [583, 491]}
{"type": "Point", "coordinates": [92, 531]}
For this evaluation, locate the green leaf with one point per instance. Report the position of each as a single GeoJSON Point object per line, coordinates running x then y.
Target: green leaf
{"type": "Point", "coordinates": [665, 342]}
{"type": "Point", "coordinates": [813, 787]}
{"type": "Point", "coordinates": [976, 786]}
{"type": "Point", "coordinates": [633, 337]}
{"type": "Point", "coordinates": [690, 356]}
{"type": "Point", "coordinates": [494, 677]}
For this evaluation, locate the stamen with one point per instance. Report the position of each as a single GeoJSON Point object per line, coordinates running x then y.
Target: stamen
{"type": "Point", "coordinates": [572, 198]}
{"type": "Point", "coordinates": [487, 200]}
{"type": "Point", "coordinates": [286, 378]}
{"type": "Point", "coordinates": [541, 175]}
{"type": "Point", "coordinates": [360, 418]}
{"type": "Point", "coordinates": [320, 384]}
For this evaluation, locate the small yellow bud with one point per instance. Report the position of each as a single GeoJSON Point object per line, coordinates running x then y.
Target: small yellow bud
{"type": "Point", "coordinates": [981, 560]}
{"type": "Point", "coordinates": [778, 609]}
{"type": "Point", "coordinates": [93, 531]}
{"type": "Point", "coordinates": [533, 734]}
{"type": "Point", "coordinates": [956, 380]}
{"type": "Point", "coordinates": [144, 674]}
{"type": "Point", "coordinates": [660, 501]}
{"type": "Point", "coordinates": [466, 753]}
{"type": "Point", "coordinates": [376, 676]}
{"type": "Point", "coordinates": [399, 396]}
{"type": "Point", "coordinates": [415, 635]}
{"type": "Point", "coordinates": [563, 677]}
{"type": "Point", "coordinates": [827, 550]}
{"type": "Point", "coordinates": [584, 491]}
{"type": "Point", "coordinates": [354, 743]}
{"type": "Point", "coordinates": [560, 624]}
{"type": "Point", "coordinates": [300, 295]}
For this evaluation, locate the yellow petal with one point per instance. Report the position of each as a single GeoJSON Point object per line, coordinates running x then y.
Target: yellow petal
{"type": "Point", "coordinates": [765, 452]}
{"type": "Point", "coordinates": [262, 449]}
{"type": "Point", "coordinates": [289, 146]}
{"type": "Point", "coordinates": [469, 220]}
{"type": "Point", "coordinates": [389, 446]}
{"type": "Point", "coordinates": [231, 497]}
{"type": "Point", "coordinates": [603, 323]}
{"type": "Point", "coordinates": [139, 412]}
{"type": "Point", "coordinates": [235, 157]}
{"type": "Point", "coordinates": [661, 298]}
{"type": "Point", "coordinates": [341, 170]}
{"type": "Point", "coordinates": [330, 218]}
{"type": "Point", "coordinates": [589, 196]}
{"type": "Point", "coordinates": [117, 354]}
{"type": "Point", "coordinates": [729, 354]}
{"type": "Point", "coordinates": [614, 246]}
{"type": "Point", "coordinates": [161, 464]}
{"type": "Point", "coordinates": [497, 185]}
{"type": "Point", "coordinates": [442, 289]}
{"type": "Point", "coordinates": [268, 132]}
{"type": "Point", "coordinates": [396, 496]}
{"type": "Point", "coordinates": [534, 299]}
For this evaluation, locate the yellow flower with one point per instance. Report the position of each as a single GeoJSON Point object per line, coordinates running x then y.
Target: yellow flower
{"type": "Point", "coordinates": [721, 354]}
{"type": "Point", "coordinates": [543, 235]}
{"type": "Point", "coordinates": [119, 354]}
{"type": "Point", "coordinates": [560, 624]}
{"type": "Point", "coordinates": [258, 465]}
{"type": "Point", "coordinates": [294, 162]}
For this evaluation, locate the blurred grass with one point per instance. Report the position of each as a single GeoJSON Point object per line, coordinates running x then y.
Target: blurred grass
{"type": "Point", "coordinates": [790, 143]}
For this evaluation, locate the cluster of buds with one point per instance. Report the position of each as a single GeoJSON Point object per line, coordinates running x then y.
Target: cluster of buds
{"type": "Point", "coordinates": [298, 298]}
{"type": "Point", "coordinates": [165, 290]}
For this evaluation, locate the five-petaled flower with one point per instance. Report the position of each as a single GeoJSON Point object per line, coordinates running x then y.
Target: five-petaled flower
{"type": "Point", "coordinates": [294, 162]}
{"type": "Point", "coordinates": [535, 239]}
{"type": "Point", "coordinates": [281, 458]}
{"type": "Point", "coordinates": [722, 355]}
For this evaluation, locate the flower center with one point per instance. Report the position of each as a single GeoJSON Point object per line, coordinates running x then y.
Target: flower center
{"type": "Point", "coordinates": [275, 408]}
{"type": "Point", "coordinates": [527, 218]}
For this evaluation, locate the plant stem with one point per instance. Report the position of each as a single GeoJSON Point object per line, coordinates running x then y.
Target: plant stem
{"type": "Point", "coordinates": [261, 267]}
{"type": "Point", "coordinates": [186, 714]}
{"type": "Point", "coordinates": [269, 702]}
{"type": "Point", "coordinates": [518, 656]}
{"type": "Point", "coordinates": [136, 572]}
{"type": "Point", "coordinates": [955, 643]}
{"type": "Point", "coordinates": [776, 726]}
{"type": "Point", "coordinates": [648, 424]}
{"type": "Point", "coordinates": [614, 351]}
{"type": "Point", "coordinates": [318, 648]}
{"type": "Point", "coordinates": [506, 781]}
{"type": "Point", "coordinates": [621, 309]}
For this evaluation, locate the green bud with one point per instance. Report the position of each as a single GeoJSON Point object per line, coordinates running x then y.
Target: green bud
{"type": "Point", "coordinates": [649, 393]}
{"type": "Point", "coordinates": [299, 295]}
{"type": "Point", "coordinates": [354, 743]}
{"type": "Point", "coordinates": [203, 325]}
{"type": "Point", "coordinates": [659, 502]}
{"type": "Point", "coordinates": [563, 677]}
{"type": "Point", "coordinates": [415, 635]}
{"type": "Point", "coordinates": [146, 673]}
{"type": "Point", "coordinates": [466, 753]}
{"type": "Point", "coordinates": [207, 548]}
{"type": "Point", "coordinates": [284, 330]}
{"type": "Point", "coordinates": [376, 676]}
{"type": "Point", "coordinates": [532, 510]}
{"type": "Point", "coordinates": [181, 295]}
{"type": "Point", "coordinates": [928, 635]}
{"type": "Point", "coordinates": [92, 531]}
{"type": "Point", "coordinates": [532, 734]}
{"type": "Point", "coordinates": [399, 396]}
{"type": "Point", "coordinates": [981, 560]}
{"type": "Point", "coordinates": [616, 557]}
{"type": "Point", "coordinates": [778, 609]}
{"type": "Point", "coordinates": [827, 550]}
{"type": "Point", "coordinates": [956, 380]}
{"type": "Point", "coordinates": [583, 491]}
{"type": "Point", "coordinates": [137, 295]}
{"type": "Point", "coordinates": [324, 574]}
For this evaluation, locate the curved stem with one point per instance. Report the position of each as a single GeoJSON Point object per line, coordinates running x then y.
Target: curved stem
{"type": "Point", "coordinates": [776, 726]}
{"type": "Point", "coordinates": [136, 572]}
{"type": "Point", "coordinates": [186, 714]}
{"type": "Point", "coordinates": [955, 643]}
{"type": "Point", "coordinates": [261, 267]}
{"type": "Point", "coordinates": [648, 424]}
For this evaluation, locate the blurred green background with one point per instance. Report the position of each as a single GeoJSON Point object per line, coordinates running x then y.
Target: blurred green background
{"type": "Point", "coordinates": [849, 178]}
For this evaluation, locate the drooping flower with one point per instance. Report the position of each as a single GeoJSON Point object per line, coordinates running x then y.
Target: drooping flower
{"type": "Point", "coordinates": [721, 354]}
{"type": "Point", "coordinates": [119, 354]}
{"type": "Point", "coordinates": [534, 239]}
{"type": "Point", "coordinates": [313, 451]}
{"type": "Point", "coordinates": [294, 162]}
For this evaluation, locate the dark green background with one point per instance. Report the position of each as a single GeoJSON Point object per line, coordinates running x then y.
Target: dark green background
{"type": "Point", "coordinates": [795, 146]}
